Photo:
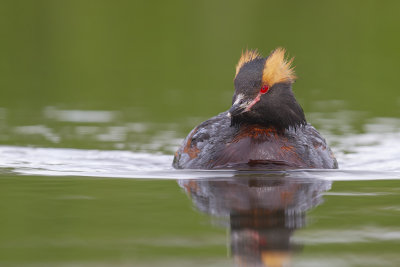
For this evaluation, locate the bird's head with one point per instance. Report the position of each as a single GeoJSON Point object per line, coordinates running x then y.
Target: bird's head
{"type": "Point", "coordinates": [263, 92]}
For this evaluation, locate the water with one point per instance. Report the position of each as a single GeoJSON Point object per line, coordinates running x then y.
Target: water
{"type": "Point", "coordinates": [145, 150]}
{"type": "Point", "coordinates": [95, 97]}
{"type": "Point", "coordinates": [69, 207]}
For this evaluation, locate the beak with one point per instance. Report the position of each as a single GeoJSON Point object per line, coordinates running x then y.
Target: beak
{"type": "Point", "coordinates": [236, 109]}
{"type": "Point", "coordinates": [241, 107]}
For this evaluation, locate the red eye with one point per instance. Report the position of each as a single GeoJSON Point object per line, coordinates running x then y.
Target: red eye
{"type": "Point", "coordinates": [264, 89]}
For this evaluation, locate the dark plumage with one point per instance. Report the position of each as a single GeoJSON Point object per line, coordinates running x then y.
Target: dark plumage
{"type": "Point", "coordinates": [265, 127]}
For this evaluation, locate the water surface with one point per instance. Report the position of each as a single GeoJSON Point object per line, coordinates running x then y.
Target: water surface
{"type": "Point", "coordinates": [120, 207]}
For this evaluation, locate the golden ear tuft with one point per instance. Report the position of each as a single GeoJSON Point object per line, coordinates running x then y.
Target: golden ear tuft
{"type": "Point", "coordinates": [247, 56]}
{"type": "Point", "coordinates": [277, 69]}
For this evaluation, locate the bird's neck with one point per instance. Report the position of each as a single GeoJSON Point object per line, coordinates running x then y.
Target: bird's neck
{"type": "Point", "coordinates": [279, 110]}
{"type": "Point", "coordinates": [279, 120]}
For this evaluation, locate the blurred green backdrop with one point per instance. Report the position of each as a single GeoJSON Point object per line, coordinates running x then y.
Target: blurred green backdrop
{"type": "Point", "coordinates": [165, 60]}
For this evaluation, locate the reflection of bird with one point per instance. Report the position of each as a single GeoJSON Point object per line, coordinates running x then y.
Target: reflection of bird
{"type": "Point", "coordinates": [265, 127]}
{"type": "Point", "coordinates": [262, 213]}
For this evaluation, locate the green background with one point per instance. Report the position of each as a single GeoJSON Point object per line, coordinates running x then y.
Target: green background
{"type": "Point", "coordinates": [166, 60]}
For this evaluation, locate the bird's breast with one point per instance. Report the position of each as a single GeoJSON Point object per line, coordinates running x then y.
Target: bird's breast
{"type": "Point", "coordinates": [261, 146]}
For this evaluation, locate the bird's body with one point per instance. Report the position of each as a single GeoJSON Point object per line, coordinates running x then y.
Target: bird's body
{"type": "Point", "coordinates": [265, 128]}
{"type": "Point", "coordinates": [214, 144]}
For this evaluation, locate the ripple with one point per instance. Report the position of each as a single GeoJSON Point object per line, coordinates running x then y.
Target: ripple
{"type": "Point", "coordinates": [99, 116]}
{"type": "Point", "coordinates": [366, 235]}
{"type": "Point", "coordinates": [366, 148]}
{"type": "Point", "coordinates": [369, 151]}
{"type": "Point", "coordinates": [126, 164]}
